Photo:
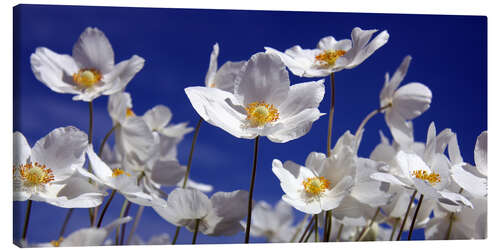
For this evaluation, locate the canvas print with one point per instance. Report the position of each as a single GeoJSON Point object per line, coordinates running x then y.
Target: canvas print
{"type": "Point", "coordinates": [163, 126]}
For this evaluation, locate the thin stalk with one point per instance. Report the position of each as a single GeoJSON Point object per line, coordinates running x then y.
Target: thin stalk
{"type": "Point", "coordinates": [316, 237]}
{"type": "Point", "coordinates": [452, 218]}
{"type": "Point", "coordinates": [330, 115]}
{"type": "Point", "coordinates": [138, 216]}
{"type": "Point", "coordinates": [66, 220]}
{"type": "Point", "coordinates": [394, 229]}
{"type": "Point", "coordinates": [312, 229]}
{"type": "Point", "coordinates": [176, 235]}
{"type": "Point", "coordinates": [367, 227]}
{"type": "Point", "coordinates": [306, 230]}
{"type": "Point", "coordinates": [250, 193]}
{"type": "Point", "coordinates": [195, 233]}
{"type": "Point", "coordinates": [124, 224]}
{"type": "Point", "coordinates": [122, 214]}
{"type": "Point", "coordinates": [190, 158]}
{"type": "Point", "coordinates": [339, 233]}
{"type": "Point", "coordinates": [368, 117]}
{"type": "Point", "coordinates": [328, 225]}
{"type": "Point", "coordinates": [26, 220]}
{"type": "Point", "coordinates": [401, 229]}
{"type": "Point", "coordinates": [106, 208]}
{"type": "Point", "coordinates": [91, 121]}
{"type": "Point", "coordinates": [415, 216]}
{"type": "Point", "coordinates": [297, 231]}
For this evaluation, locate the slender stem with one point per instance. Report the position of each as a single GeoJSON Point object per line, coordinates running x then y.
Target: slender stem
{"type": "Point", "coordinates": [195, 233]}
{"type": "Point", "coordinates": [190, 158]}
{"type": "Point", "coordinates": [339, 233]}
{"type": "Point", "coordinates": [176, 235]}
{"type": "Point", "coordinates": [297, 231]}
{"type": "Point", "coordinates": [368, 117]}
{"type": "Point", "coordinates": [415, 216]}
{"type": "Point", "coordinates": [124, 224]}
{"type": "Point", "coordinates": [124, 210]}
{"type": "Point", "coordinates": [91, 121]}
{"type": "Point", "coordinates": [250, 194]}
{"type": "Point", "coordinates": [401, 229]}
{"type": "Point", "coordinates": [26, 220]}
{"type": "Point", "coordinates": [452, 218]}
{"type": "Point", "coordinates": [394, 228]}
{"type": "Point", "coordinates": [312, 228]}
{"type": "Point", "coordinates": [328, 225]}
{"type": "Point", "coordinates": [105, 208]}
{"type": "Point", "coordinates": [66, 220]}
{"type": "Point", "coordinates": [330, 115]}
{"type": "Point", "coordinates": [307, 229]}
{"type": "Point", "coordinates": [316, 237]}
{"type": "Point", "coordinates": [138, 216]}
{"type": "Point", "coordinates": [367, 227]}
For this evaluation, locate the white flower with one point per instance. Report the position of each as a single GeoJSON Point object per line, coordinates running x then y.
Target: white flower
{"type": "Point", "coordinates": [471, 179]}
{"type": "Point", "coordinates": [48, 171]}
{"type": "Point", "coordinates": [274, 224]}
{"type": "Point", "coordinates": [263, 103]}
{"type": "Point", "coordinates": [89, 72]}
{"type": "Point", "coordinates": [332, 55]}
{"type": "Point", "coordinates": [222, 78]}
{"type": "Point", "coordinates": [219, 215]}
{"type": "Point", "coordinates": [319, 186]}
{"type": "Point", "coordinates": [403, 104]}
{"type": "Point", "coordinates": [160, 239]}
{"type": "Point", "coordinates": [116, 179]}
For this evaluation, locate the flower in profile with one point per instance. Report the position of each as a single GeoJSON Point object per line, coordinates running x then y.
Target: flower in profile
{"type": "Point", "coordinates": [403, 104]}
{"type": "Point", "coordinates": [223, 77]}
{"type": "Point", "coordinates": [89, 72]}
{"type": "Point", "coordinates": [332, 55]}
{"type": "Point", "coordinates": [319, 186]}
{"type": "Point", "coordinates": [273, 224]}
{"type": "Point", "coordinates": [263, 103]}
{"type": "Point", "coordinates": [49, 172]}
{"type": "Point", "coordinates": [219, 215]}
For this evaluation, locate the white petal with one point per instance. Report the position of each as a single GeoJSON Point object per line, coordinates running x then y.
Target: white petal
{"type": "Point", "coordinates": [218, 108]}
{"type": "Point", "coordinates": [454, 151]}
{"type": "Point", "coordinates": [122, 73]}
{"type": "Point", "coordinates": [93, 51]}
{"type": "Point", "coordinates": [297, 65]}
{"type": "Point", "coordinates": [333, 197]}
{"type": "Point", "coordinates": [391, 85]}
{"type": "Point", "coordinates": [99, 168]}
{"type": "Point", "coordinates": [226, 75]}
{"type": "Point", "coordinates": [361, 49]}
{"type": "Point", "coordinates": [402, 131]}
{"type": "Point", "coordinates": [54, 70]}
{"type": "Point", "coordinates": [481, 153]}
{"type": "Point", "coordinates": [426, 189]}
{"type": "Point", "coordinates": [22, 149]}
{"type": "Point", "coordinates": [231, 207]}
{"type": "Point", "coordinates": [312, 207]}
{"type": "Point", "coordinates": [466, 179]}
{"type": "Point", "coordinates": [295, 127]}
{"type": "Point", "coordinates": [135, 136]}
{"type": "Point", "coordinates": [351, 212]}
{"type": "Point", "coordinates": [189, 203]}
{"type": "Point", "coordinates": [212, 67]}
{"type": "Point", "coordinates": [412, 100]}
{"type": "Point", "coordinates": [263, 78]}
{"type": "Point", "coordinates": [315, 161]}
{"type": "Point", "coordinates": [61, 150]}
{"type": "Point", "coordinates": [302, 96]}
{"type": "Point", "coordinates": [158, 117]}
{"type": "Point", "coordinates": [291, 176]}
{"type": "Point", "coordinates": [117, 106]}
{"type": "Point", "coordinates": [389, 178]}
{"type": "Point", "coordinates": [167, 173]}
{"type": "Point", "coordinates": [450, 198]}
{"type": "Point", "coordinates": [196, 185]}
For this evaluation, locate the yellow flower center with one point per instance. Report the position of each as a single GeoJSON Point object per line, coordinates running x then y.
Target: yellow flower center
{"type": "Point", "coordinates": [316, 185]}
{"type": "Point", "coordinates": [35, 175]}
{"type": "Point", "coordinates": [432, 178]}
{"type": "Point", "coordinates": [329, 57]}
{"type": "Point", "coordinates": [211, 85]}
{"type": "Point", "coordinates": [86, 78]}
{"type": "Point", "coordinates": [130, 112]}
{"type": "Point", "coordinates": [260, 113]}
{"type": "Point", "coordinates": [56, 243]}
{"type": "Point", "coordinates": [118, 172]}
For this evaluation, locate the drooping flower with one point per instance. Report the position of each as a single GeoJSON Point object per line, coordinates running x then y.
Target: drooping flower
{"type": "Point", "coordinates": [263, 103]}
{"type": "Point", "coordinates": [332, 55]}
{"type": "Point", "coordinates": [219, 215]}
{"type": "Point", "coordinates": [403, 104]}
{"type": "Point", "coordinates": [224, 77]}
{"type": "Point", "coordinates": [273, 224]}
{"type": "Point", "coordinates": [89, 72]}
{"type": "Point", "coordinates": [49, 172]}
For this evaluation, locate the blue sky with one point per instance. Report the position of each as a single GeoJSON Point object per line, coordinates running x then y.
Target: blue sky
{"type": "Point", "coordinates": [449, 56]}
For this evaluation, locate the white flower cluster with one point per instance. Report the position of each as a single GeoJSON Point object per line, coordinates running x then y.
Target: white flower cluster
{"type": "Point", "coordinates": [345, 196]}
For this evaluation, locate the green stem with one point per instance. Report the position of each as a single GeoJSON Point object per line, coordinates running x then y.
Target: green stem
{"type": "Point", "coordinates": [124, 224]}
{"type": "Point", "coordinates": [452, 218]}
{"type": "Point", "coordinates": [138, 216]}
{"type": "Point", "coordinates": [106, 208]}
{"type": "Point", "coordinates": [297, 231]}
{"type": "Point", "coordinates": [312, 228]}
{"type": "Point", "coordinates": [250, 194]}
{"type": "Point", "coordinates": [195, 233]}
{"type": "Point", "coordinates": [415, 216]}
{"type": "Point", "coordinates": [26, 221]}
{"type": "Point", "coordinates": [367, 227]}
{"type": "Point", "coordinates": [190, 158]}
{"type": "Point", "coordinates": [122, 214]}
{"type": "Point", "coordinates": [176, 235]}
{"type": "Point", "coordinates": [406, 215]}
{"type": "Point", "coordinates": [328, 226]}
{"type": "Point", "coordinates": [368, 117]}
{"type": "Point", "coordinates": [330, 115]}
{"type": "Point", "coordinates": [316, 237]}
{"type": "Point", "coordinates": [394, 227]}
{"type": "Point", "coordinates": [306, 230]}
{"type": "Point", "coordinates": [66, 220]}
{"type": "Point", "coordinates": [339, 233]}
{"type": "Point", "coordinates": [91, 121]}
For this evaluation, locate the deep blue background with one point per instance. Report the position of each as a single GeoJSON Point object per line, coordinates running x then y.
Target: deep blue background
{"type": "Point", "coordinates": [449, 56]}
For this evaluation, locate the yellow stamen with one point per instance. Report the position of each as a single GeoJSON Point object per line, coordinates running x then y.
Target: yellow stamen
{"type": "Point", "coordinates": [130, 112]}
{"type": "Point", "coordinates": [329, 57]}
{"type": "Point", "coordinates": [86, 78]}
{"type": "Point", "coordinates": [35, 175]}
{"type": "Point", "coordinates": [211, 85]}
{"type": "Point", "coordinates": [56, 243]}
{"type": "Point", "coordinates": [118, 172]}
{"type": "Point", "coordinates": [316, 185]}
{"type": "Point", "coordinates": [432, 178]}
{"type": "Point", "coordinates": [260, 113]}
